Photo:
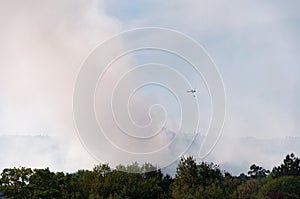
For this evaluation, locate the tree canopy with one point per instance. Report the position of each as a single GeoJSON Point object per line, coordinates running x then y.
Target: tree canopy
{"type": "Point", "coordinates": [192, 180]}
{"type": "Point", "coordinates": [290, 167]}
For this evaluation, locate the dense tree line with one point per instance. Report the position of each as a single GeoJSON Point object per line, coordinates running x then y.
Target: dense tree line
{"type": "Point", "coordinates": [192, 180]}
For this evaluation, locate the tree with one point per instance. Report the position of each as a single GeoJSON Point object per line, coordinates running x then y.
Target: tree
{"type": "Point", "coordinates": [121, 183]}
{"type": "Point", "coordinates": [257, 172]}
{"type": "Point", "coordinates": [97, 178]}
{"type": "Point", "coordinates": [45, 184]}
{"type": "Point", "coordinates": [192, 181]}
{"type": "Point", "coordinates": [290, 167]}
{"type": "Point", "coordinates": [212, 191]}
{"type": "Point", "coordinates": [187, 179]}
{"type": "Point", "coordinates": [286, 187]}
{"type": "Point", "coordinates": [81, 183]}
{"type": "Point", "coordinates": [209, 174]}
{"type": "Point", "coordinates": [248, 189]}
{"type": "Point", "coordinates": [230, 184]}
{"type": "Point", "coordinates": [165, 184]}
{"type": "Point", "coordinates": [102, 169]}
{"type": "Point", "coordinates": [14, 182]}
{"type": "Point", "coordinates": [202, 180]}
{"type": "Point", "coordinates": [243, 177]}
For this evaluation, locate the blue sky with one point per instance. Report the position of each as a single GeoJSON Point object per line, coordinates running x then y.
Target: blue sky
{"type": "Point", "coordinates": [255, 45]}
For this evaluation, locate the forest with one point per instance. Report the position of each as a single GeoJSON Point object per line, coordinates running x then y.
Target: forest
{"type": "Point", "coordinates": [192, 180]}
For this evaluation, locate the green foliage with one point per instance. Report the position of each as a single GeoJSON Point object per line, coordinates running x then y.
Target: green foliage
{"type": "Point", "coordinates": [43, 184]}
{"type": "Point", "coordinates": [187, 179]}
{"type": "Point", "coordinates": [202, 180]}
{"type": "Point", "coordinates": [287, 186]}
{"type": "Point", "coordinates": [192, 181]}
{"type": "Point", "coordinates": [290, 167]}
{"type": "Point", "coordinates": [229, 185]}
{"type": "Point", "coordinates": [14, 182]}
{"type": "Point", "coordinates": [248, 189]}
{"type": "Point", "coordinates": [212, 191]}
{"type": "Point", "coordinates": [209, 174]}
{"type": "Point", "coordinates": [257, 172]}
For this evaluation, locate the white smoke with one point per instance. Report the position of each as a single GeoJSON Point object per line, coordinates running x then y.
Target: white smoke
{"type": "Point", "coordinates": [43, 44]}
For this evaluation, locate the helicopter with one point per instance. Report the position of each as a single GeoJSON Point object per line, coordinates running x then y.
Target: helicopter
{"type": "Point", "coordinates": [193, 91]}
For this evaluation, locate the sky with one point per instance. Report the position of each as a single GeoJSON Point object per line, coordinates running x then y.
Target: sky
{"type": "Point", "coordinates": [254, 44]}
